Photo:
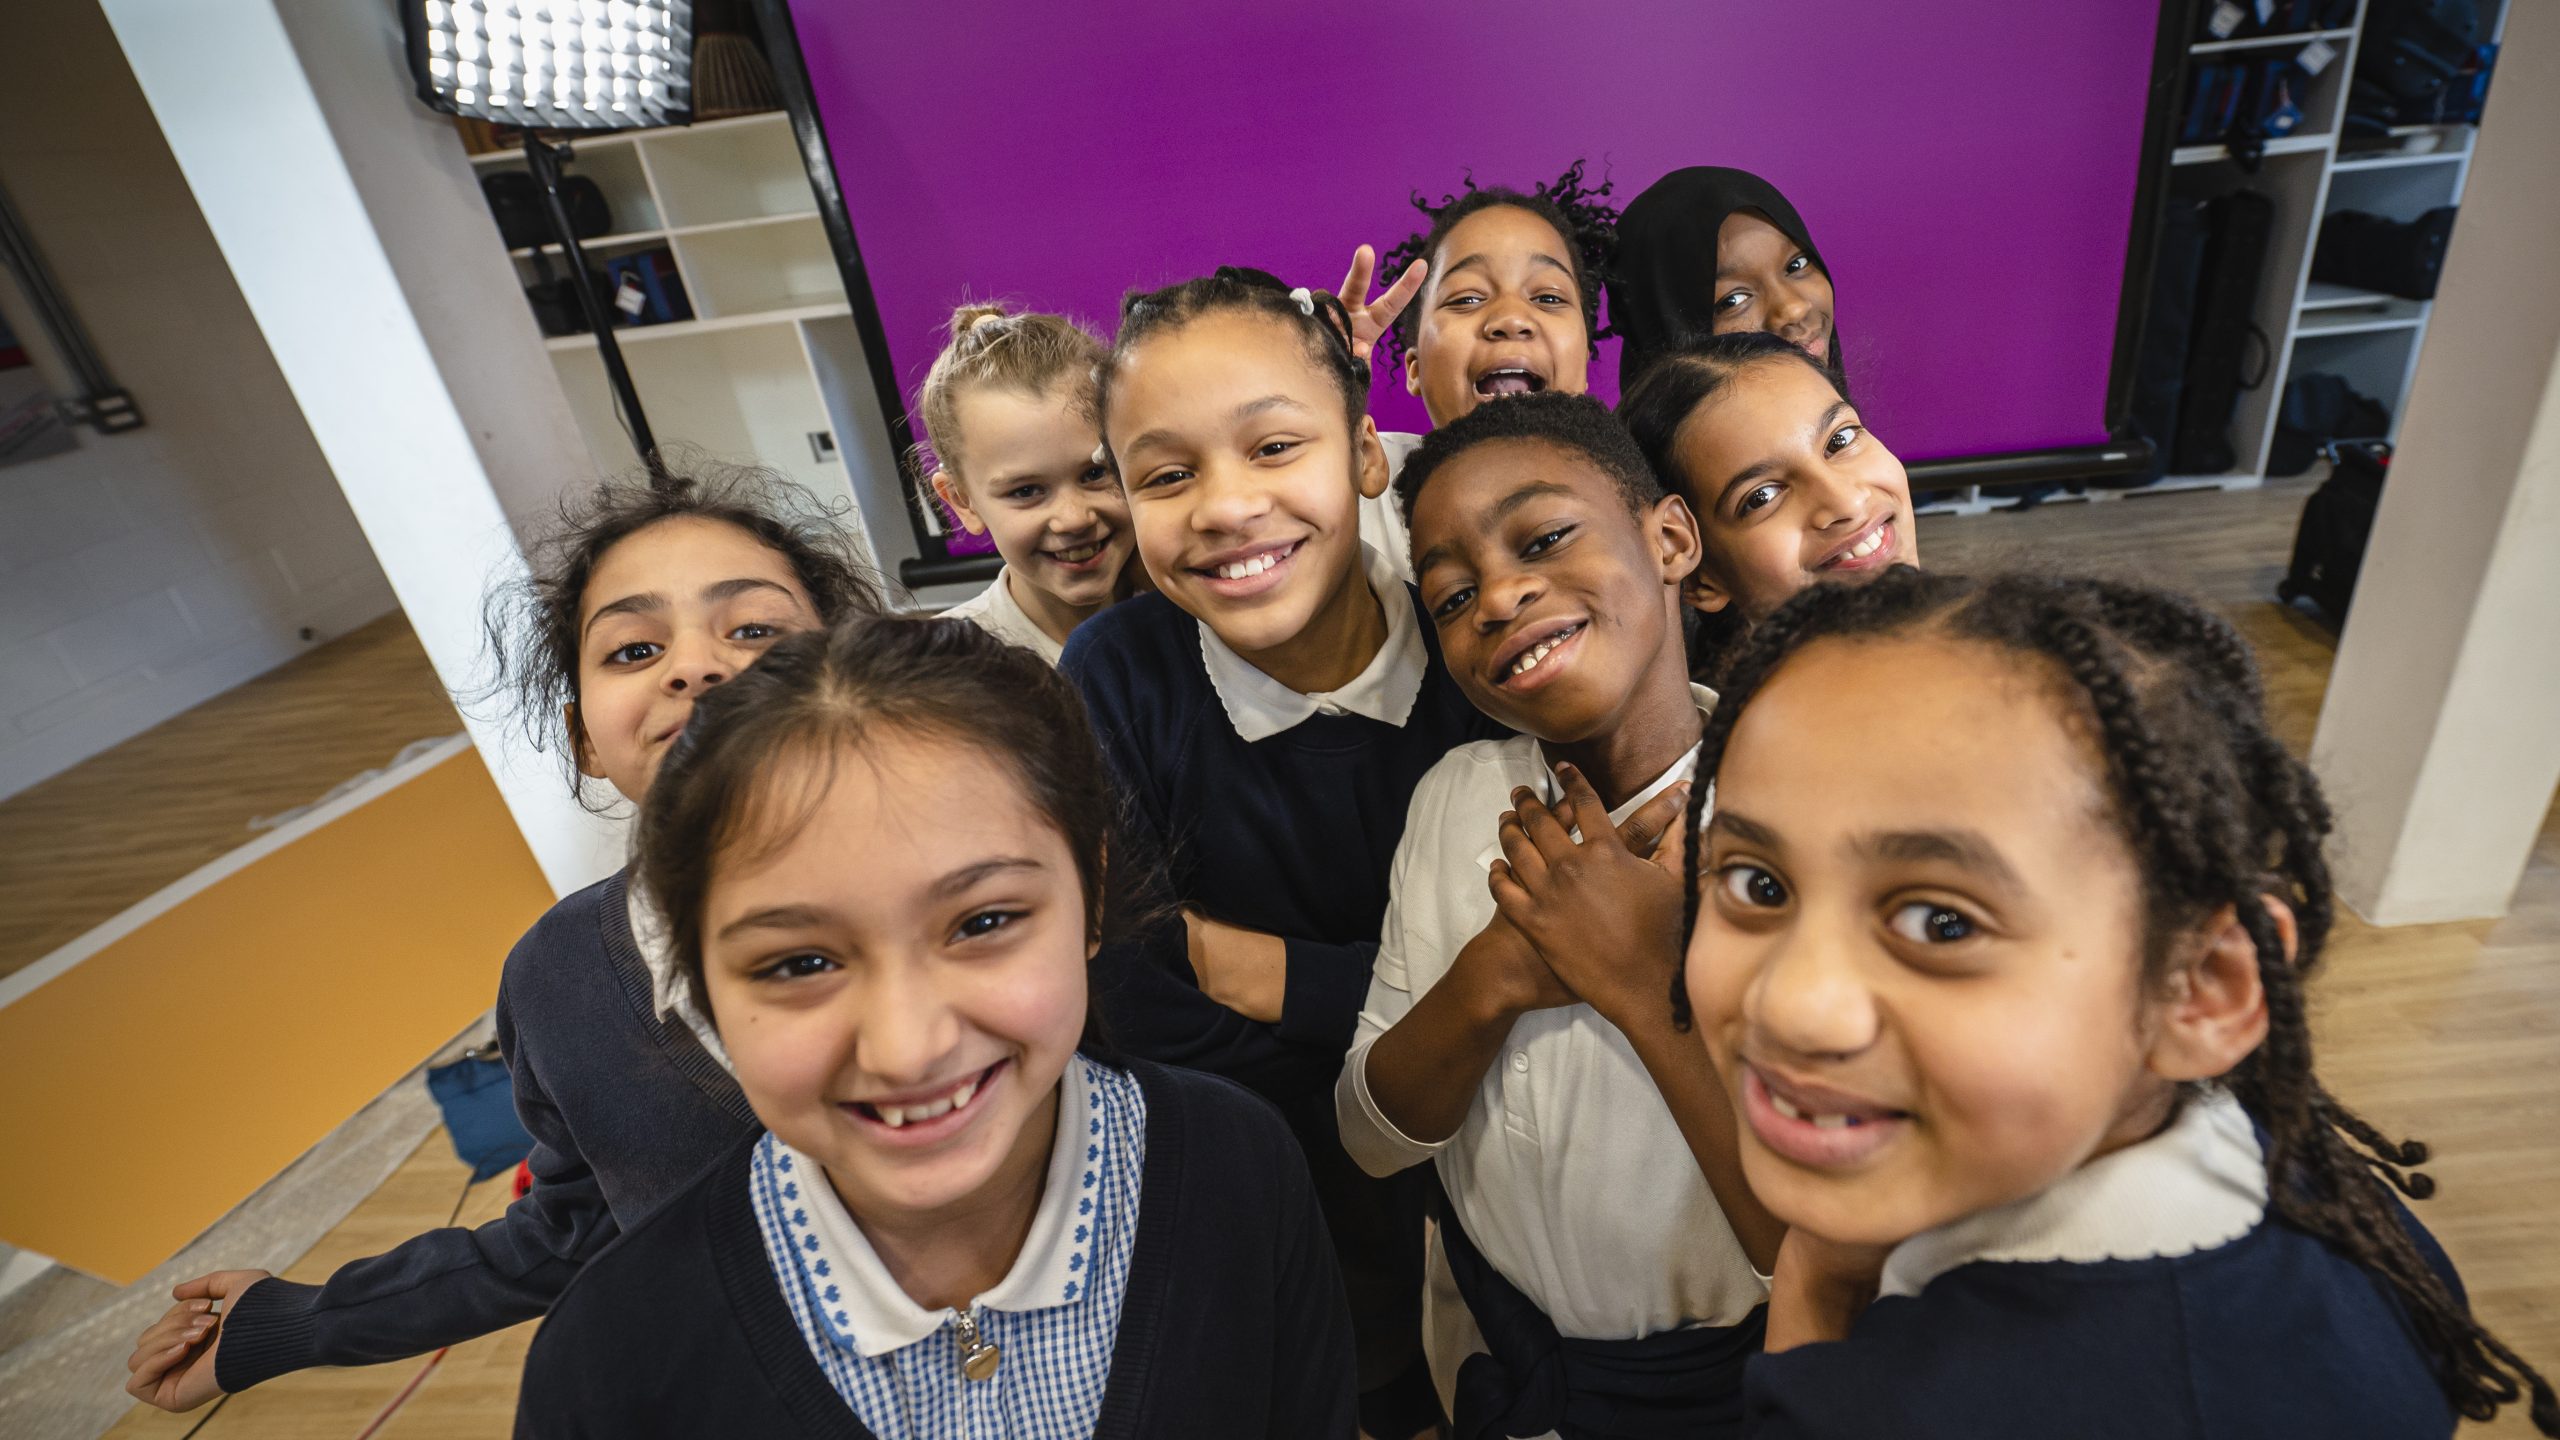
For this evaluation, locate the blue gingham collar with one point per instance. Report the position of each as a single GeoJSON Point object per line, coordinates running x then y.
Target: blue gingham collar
{"type": "Point", "coordinates": [863, 1308]}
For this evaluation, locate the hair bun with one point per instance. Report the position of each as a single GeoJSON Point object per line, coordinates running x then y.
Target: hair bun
{"type": "Point", "coordinates": [970, 317]}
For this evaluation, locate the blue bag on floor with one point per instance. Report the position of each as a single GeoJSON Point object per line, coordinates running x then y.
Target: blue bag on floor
{"type": "Point", "coordinates": [478, 1099]}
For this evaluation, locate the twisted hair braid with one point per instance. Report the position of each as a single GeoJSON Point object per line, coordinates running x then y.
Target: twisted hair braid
{"type": "Point", "coordinates": [2219, 817]}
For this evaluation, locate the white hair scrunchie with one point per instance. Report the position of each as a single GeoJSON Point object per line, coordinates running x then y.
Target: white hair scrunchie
{"type": "Point", "coordinates": [1306, 300]}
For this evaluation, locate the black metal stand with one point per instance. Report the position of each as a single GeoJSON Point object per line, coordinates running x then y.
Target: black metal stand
{"type": "Point", "coordinates": [543, 159]}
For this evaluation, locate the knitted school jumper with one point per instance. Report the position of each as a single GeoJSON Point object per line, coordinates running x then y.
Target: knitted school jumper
{"type": "Point", "coordinates": [1293, 835]}
{"type": "Point", "coordinates": [1231, 1324]}
{"type": "Point", "coordinates": [624, 1107]}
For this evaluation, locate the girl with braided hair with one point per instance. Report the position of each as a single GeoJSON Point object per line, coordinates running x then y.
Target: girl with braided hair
{"type": "Point", "coordinates": [1998, 936]}
{"type": "Point", "coordinates": [1267, 714]}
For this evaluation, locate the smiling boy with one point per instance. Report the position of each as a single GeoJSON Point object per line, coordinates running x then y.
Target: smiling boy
{"type": "Point", "coordinates": [1550, 564]}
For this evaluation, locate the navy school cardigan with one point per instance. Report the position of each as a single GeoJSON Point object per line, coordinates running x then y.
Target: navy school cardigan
{"type": "Point", "coordinates": [2274, 1334]}
{"type": "Point", "coordinates": [1233, 1323]}
{"type": "Point", "coordinates": [624, 1107]}
{"type": "Point", "coordinates": [1292, 835]}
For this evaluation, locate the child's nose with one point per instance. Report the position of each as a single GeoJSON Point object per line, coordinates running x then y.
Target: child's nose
{"type": "Point", "coordinates": [1504, 321]}
{"type": "Point", "coordinates": [1072, 514]}
{"type": "Point", "coordinates": [1228, 502]}
{"type": "Point", "coordinates": [1806, 1000]}
{"type": "Point", "coordinates": [907, 1029]}
{"type": "Point", "coordinates": [694, 666]}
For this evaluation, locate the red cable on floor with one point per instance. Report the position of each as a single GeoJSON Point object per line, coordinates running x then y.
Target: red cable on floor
{"type": "Point", "coordinates": [403, 1397]}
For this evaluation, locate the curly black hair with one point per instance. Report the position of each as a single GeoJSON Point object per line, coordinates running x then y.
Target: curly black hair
{"type": "Point", "coordinates": [1582, 218]}
{"type": "Point", "coordinates": [2218, 815]}
{"type": "Point", "coordinates": [1319, 320]}
{"type": "Point", "coordinates": [531, 622]}
{"type": "Point", "coordinates": [1575, 423]}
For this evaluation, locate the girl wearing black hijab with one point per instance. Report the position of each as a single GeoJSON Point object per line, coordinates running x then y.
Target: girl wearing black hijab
{"type": "Point", "coordinates": [1706, 250]}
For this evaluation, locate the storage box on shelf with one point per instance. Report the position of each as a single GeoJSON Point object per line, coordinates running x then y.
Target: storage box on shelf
{"type": "Point", "coordinates": [771, 369]}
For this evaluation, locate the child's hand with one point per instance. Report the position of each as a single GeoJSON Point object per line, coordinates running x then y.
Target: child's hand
{"type": "Point", "coordinates": [1820, 1288]}
{"type": "Point", "coordinates": [1370, 319]}
{"type": "Point", "coordinates": [1605, 912]}
{"type": "Point", "coordinates": [1245, 970]}
{"type": "Point", "coordinates": [1507, 971]}
{"type": "Point", "coordinates": [172, 1362]}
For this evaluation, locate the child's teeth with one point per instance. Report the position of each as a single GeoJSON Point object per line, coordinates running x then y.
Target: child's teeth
{"type": "Point", "coordinates": [960, 1098]}
{"type": "Point", "coordinates": [1244, 569]}
{"type": "Point", "coordinates": [1830, 1122]}
{"type": "Point", "coordinates": [892, 1116]}
{"type": "Point", "coordinates": [1779, 1103]}
{"type": "Point", "coordinates": [1867, 547]}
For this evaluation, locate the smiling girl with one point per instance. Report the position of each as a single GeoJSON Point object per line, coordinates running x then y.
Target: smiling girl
{"type": "Point", "coordinates": [1711, 250]}
{"type": "Point", "coordinates": [1788, 485]}
{"type": "Point", "coordinates": [1007, 412]}
{"type": "Point", "coordinates": [885, 861]}
{"type": "Point", "coordinates": [642, 600]}
{"type": "Point", "coordinates": [2001, 929]}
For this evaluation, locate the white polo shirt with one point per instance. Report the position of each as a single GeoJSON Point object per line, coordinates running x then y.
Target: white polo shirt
{"type": "Point", "coordinates": [1568, 1171]}
{"type": "Point", "coordinates": [996, 611]}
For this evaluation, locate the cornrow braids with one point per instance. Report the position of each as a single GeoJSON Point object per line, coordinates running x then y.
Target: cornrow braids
{"type": "Point", "coordinates": [2218, 815]}
{"type": "Point", "coordinates": [1315, 316]}
{"type": "Point", "coordinates": [1579, 213]}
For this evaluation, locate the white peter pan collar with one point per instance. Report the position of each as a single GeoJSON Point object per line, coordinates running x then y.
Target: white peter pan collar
{"type": "Point", "coordinates": [866, 1310]}
{"type": "Point", "coordinates": [668, 993]}
{"type": "Point", "coordinates": [1550, 791]}
{"type": "Point", "coordinates": [2198, 1185]}
{"type": "Point", "coordinates": [1261, 707]}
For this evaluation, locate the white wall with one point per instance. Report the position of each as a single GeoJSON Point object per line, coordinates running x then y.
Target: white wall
{"type": "Point", "coordinates": [147, 572]}
{"type": "Point", "coordinates": [2439, 739]}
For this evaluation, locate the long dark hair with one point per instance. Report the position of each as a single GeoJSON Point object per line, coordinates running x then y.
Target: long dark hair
{"type": "Point", "coordinates": [1661, 400]}
{"type": "Point", "coordinates": [819, 693]}
{"type": "Point", "coordinates": [2217, 814]}
{"type": "Point", "coordinates": [531, 623]}
{"type": "Point", "coordinates": [1580, 214]}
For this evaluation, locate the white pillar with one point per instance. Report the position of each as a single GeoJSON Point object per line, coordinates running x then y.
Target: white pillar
{"type": "Point", "coordinates": [2439, 742]}
{"type": "Point", "coordinates": [355, 229]}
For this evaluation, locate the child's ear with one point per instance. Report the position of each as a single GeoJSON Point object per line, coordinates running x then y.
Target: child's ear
{"type": "Point", "coordinates": [1371, 455]}
{"type": "Point", "coordinates": [947, 488]}
{"type": "Point", "coordinates": [579, 750]}
{"type": "Point", "coordinates": [2214, 1012]}
{"type": "Point", "coordinates": [1701, 593]}
{"type": "Point", "coordinates": [1675, 536]}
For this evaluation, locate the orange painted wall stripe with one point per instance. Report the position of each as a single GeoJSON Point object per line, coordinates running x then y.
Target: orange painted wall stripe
{"type": "Point", "coordinates": [155, 1085]}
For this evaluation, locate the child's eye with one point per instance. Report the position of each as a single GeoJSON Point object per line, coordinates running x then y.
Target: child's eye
{"type": "Point", "coordinates": [985, 923]}
{"type": "Point", "coordinates": [1842, 438]}
{"type": "Point", "coordinates": [1273, 449]}
{"type": "Point", "coordinates": [1732, 301]}
{"type": "Point", "coordinates": [633, 653]}
{"type": "Point", "coordinates": [1759, 497]}
{"type": "Point", "coordinates": [1025, 493]}
{"type": "Point", "coordinates": [1555, 301]}
{"type": "Point", "coordinates": [1798, 265]}
{"type": "Point", "coordinates": [1927, 923]}
{"type": "Point", "coordinates": [1454, 301]}
{"type": "Point", "coordinates": [796, 967]}
{"type": "Point", "coordinates": [755, 630]}
{"type": "Point", "coordinates": [1097, 475]}
{"type": "Point", "coordinates": [1546, 542]}
{"type": "Point", "coordinates": [1750, 885]}
{"type": "Point", "coordinates": [1455, 601]}
{"type": "Point", "coordinates": [1171, 476]}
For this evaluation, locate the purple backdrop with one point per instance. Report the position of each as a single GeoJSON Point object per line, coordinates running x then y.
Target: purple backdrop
{"type": "Point", "coordinates": [1968, 166]}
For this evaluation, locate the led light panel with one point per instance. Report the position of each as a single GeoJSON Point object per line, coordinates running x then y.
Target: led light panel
{"type": "Point", "coordinates": [555, 64]}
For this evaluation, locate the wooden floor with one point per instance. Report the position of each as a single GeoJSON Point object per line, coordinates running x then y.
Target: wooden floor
{"type": "Point", "coordinates": [82, 846]}
{"type": "Point", "coordinates": [2448, 1032]}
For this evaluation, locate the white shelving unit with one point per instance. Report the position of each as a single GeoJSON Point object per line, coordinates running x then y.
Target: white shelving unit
{"type": "Point", "coordinates": [2371, 340]}
{"type": "Point", "coordinates": [771, 369]}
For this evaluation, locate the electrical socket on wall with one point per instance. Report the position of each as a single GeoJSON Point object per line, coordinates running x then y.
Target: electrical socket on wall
{"type": "Point", "coordinates": [822, 446]}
